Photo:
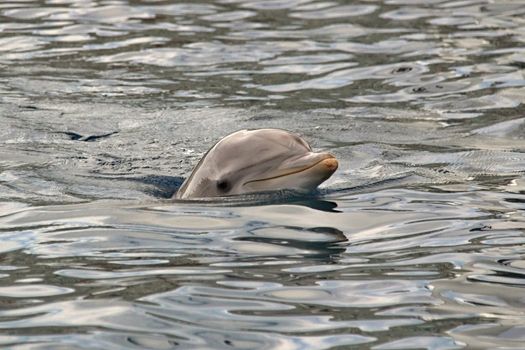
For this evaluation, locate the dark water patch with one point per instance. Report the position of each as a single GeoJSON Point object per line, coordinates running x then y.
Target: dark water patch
{"type": "Point", "coordinates": [87, 138]}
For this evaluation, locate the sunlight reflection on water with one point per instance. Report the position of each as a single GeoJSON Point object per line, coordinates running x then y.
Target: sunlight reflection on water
{"type": "Point", "coordinates": [416, 241]}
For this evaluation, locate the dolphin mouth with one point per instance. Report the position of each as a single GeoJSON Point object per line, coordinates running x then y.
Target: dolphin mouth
{"type": "Point", "coordinates": [324, 164]}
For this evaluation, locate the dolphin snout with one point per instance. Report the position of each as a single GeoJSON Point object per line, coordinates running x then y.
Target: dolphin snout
{"type": "Point", "coordinates": [330, 163]}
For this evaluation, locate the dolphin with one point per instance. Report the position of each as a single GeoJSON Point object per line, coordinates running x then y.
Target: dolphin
{"type": "Point", "coordinates": [250, 161]}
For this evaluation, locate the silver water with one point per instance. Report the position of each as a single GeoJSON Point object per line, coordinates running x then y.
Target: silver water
{"type": "Point", "coordinates": [416, 242]}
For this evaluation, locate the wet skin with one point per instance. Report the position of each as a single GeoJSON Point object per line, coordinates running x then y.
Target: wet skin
{"type": "Point", "coordinates": [250, 161]}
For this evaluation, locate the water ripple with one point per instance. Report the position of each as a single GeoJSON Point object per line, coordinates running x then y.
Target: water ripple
{"type": "Point", "coordinates": [416, 241]}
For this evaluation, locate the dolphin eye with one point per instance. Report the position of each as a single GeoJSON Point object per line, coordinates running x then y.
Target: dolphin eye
{"type": "Point", "coordinates": [223, 185]}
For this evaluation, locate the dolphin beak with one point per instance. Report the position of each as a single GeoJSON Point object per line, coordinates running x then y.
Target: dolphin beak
{"type": "Point", "coordinates": [303, 173]}
{"type": "Point", "coordinates": [322, 169]}
{"type": "Point", "coordinates": [330, 164]}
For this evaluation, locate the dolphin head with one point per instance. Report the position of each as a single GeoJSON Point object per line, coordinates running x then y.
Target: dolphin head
{"type": "Point", "coordinates": [257, 160]}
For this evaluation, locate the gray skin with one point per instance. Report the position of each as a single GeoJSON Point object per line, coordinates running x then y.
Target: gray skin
{"type": "Point", "coordinates": [250, 161]}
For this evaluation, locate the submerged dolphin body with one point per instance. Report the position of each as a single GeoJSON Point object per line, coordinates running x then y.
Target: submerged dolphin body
{"type": "Point", "coordinates": [257, 160]}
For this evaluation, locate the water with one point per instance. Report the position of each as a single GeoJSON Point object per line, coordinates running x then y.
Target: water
{"type": "Point", "coordinates": [416, 242]}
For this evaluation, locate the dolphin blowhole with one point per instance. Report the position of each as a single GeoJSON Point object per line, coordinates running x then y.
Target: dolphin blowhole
{"type": "Point", "coordinates": [261, 160]}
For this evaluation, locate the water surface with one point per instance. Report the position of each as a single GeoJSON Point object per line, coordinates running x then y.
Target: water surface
{"type": "Point", "coordinates": [416, 242]}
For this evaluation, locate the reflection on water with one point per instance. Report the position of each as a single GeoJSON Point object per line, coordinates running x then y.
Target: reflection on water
{"type": "Point", "coordinates": [429, 54]}
{"type": "Point", "coordinates": [416, 242]}
{"type": "Point", "coordinates": [277, 275]}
